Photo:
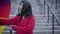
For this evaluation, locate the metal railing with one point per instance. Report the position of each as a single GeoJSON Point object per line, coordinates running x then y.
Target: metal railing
{"type": "Point", "coordinates": [52, 10]}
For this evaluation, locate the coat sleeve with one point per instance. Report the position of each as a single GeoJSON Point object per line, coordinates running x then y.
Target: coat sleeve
{"type": "Point", "coordinates": [29, 27]}
{"type": "Point", "coordinates": [12, 21]}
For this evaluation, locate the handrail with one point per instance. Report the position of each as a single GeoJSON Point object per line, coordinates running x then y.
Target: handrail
{"type": "Point", "coordinates": [53, 11]}
{"type": "Point", "coordinates": [53, 14]}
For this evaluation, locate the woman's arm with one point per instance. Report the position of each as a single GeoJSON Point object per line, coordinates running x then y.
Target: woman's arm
{"type": "Point", "coordinates": [28, 27]}
{"type": "Point", "coordinates": [12, 21]}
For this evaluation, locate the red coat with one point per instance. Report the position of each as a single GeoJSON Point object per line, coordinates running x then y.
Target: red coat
{"type": "Point", "coordinates": [25, 26]}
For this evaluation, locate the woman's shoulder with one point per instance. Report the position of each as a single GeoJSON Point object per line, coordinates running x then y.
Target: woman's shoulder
{"type": "Point", "coordinates": [31, 17]}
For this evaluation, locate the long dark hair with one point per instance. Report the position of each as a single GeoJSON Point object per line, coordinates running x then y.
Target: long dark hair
{"type": "Point", "coordinates": [26, 10]}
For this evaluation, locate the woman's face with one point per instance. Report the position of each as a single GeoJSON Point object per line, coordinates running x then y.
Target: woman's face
{"type": "Point", "coordinates": [21, 6]}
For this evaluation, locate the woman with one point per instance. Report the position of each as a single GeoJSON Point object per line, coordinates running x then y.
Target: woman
{"type": "Point", "coordinates": [24, 22]}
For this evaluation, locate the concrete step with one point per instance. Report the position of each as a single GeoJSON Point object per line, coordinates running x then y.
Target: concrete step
{"type": "Point", "coordinates": [45, 18]}
{"type": "Point", "coordinates": [38, 32]}
{"type": "Point", "coordinates": [38, 15]}
{"type": "Point", "coordinates": [46, 27]}
{"type": "Point", "coordinates": [46, 32]}
{"type": "Point", "coordinates": [46, 24]}
{"type": "Point", "coordinates": [8, 32]}
{"type": "Point", "coordinates": [45, 21]}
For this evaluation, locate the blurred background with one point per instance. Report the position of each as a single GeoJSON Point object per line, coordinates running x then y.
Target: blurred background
{"type": "Point", "coordinates": [47, 16]}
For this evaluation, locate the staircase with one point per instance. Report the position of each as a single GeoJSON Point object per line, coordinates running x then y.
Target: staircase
{"type": "Point", "coordinates": [42, 26]}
